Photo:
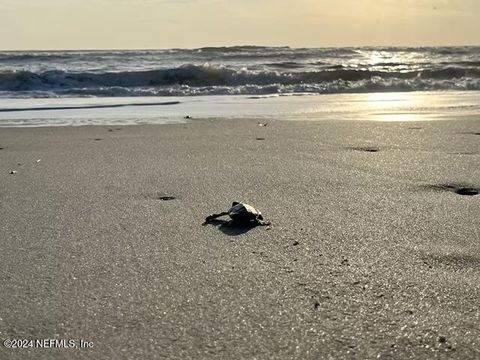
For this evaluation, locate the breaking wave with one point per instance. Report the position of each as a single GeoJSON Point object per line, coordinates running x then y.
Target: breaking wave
{"type": "Point", "coordinates": [238, 70]}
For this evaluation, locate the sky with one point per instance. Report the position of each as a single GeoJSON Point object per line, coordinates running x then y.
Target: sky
{"type": "Point", "coordinates": [153, 24]}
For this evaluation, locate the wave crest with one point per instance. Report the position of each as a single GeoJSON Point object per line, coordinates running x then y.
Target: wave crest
{"type": "Point", "coordinates": [205, 80]}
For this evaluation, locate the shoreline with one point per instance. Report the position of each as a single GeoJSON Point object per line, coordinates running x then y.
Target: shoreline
{"type": "Point", "coordinates": [117, 111]}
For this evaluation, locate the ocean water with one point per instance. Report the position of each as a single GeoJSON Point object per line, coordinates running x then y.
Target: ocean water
{"type": "Point", "coordinates": [77, 87]}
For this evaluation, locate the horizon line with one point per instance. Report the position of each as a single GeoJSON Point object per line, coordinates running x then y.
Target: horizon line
{"type": "Point", "coordinates": [244, 45]}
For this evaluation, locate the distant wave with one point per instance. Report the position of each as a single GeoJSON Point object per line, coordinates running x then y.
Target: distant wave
{"type": "Point", "coordinates": [241, 48]}
{"type": "Point", "coordinates": [32, 57]}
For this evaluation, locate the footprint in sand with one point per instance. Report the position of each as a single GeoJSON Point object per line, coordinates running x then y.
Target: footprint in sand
{"type": "Point", "coordinates": [456, 259]}
{"type": "Point", "coordinates": [158, 196]}
{"type": "Point", "coordinates": [166, 198]}
{"type": "Point", "coordinates": [459, 189]}
{"type": "Point", "coordinates": [471, 133]}
{"type": "Point", "coordinates": [364, 148]}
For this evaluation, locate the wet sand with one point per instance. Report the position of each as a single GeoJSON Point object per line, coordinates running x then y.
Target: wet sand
{"type": "Point", "coordinates": [373, 251]}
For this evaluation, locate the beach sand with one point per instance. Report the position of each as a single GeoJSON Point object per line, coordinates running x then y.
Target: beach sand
{"type": "Point", "coordinates": [371, 253]}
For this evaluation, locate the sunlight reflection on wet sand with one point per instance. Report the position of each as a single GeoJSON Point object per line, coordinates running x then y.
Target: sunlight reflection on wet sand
{"type": "Point", "coordinates": [391, 106]}
{"type": "Point", "coordinates": [406, 106]}
{"type": "Point", "coordinates": [385, 107]}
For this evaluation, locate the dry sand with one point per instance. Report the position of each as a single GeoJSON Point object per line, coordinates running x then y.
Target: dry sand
{"type": "Point", "coordinates": [370, 254]}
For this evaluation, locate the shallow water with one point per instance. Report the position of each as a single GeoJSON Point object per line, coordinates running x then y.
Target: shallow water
{"type": "Point", "coordinates": [400, 106]}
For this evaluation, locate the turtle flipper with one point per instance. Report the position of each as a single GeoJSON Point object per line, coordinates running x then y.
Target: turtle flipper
{"type": "Point", "coordinates": [259, 221]}
{"type": "Point", "coordinates": [214, 216]}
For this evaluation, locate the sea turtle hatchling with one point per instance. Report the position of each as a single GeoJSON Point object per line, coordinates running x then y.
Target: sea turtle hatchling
{"type": "Point", "coordinates": [241, 213]}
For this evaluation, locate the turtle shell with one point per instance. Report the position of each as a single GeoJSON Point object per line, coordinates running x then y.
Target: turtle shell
{"type": "Point", "coordinates": [244, 213]}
